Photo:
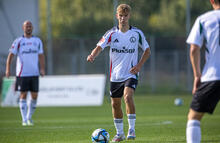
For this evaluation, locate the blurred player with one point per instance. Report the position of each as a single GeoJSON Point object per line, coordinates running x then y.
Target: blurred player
{"type": "Point", "coordinates": [29, 51]}
{"type": "Point", "coordinates": [123, 41]}
{"type": "Point", "coordinates": [206, 88]}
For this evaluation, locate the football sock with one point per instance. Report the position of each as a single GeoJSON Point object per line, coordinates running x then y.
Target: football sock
{"type": "Point", "coordinates": [23, 109]}
{"type": "Point", "coordinates": [119, 126]}
{"type": "Point", "coordinates": [31, 108]}
{"type": "Point", "coordinates": [193, 131]}
{"type": "Point", "coordinates": [131, 121]}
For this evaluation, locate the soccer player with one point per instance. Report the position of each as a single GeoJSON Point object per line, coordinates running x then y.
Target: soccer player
{"type": "Point", "coordinates": [123, 41]}
{"type": "Point", "coordinates": [29, 51]}
{"type": "Point", "coordinates": [206, 88]}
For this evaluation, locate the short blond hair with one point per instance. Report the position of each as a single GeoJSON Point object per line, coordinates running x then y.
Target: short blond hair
{"type": "Point", "coordinates": [123, 8]}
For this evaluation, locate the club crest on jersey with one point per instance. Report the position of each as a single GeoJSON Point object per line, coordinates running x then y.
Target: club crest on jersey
{"type": "Point", "coordinates": [132, 39]}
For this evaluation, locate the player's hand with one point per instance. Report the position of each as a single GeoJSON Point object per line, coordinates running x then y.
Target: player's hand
{"type": "Point", "coordinates": [135, 69]}
{"type": "Point", "coordinates": [197, 82]}
{"type": "Point", "coordinates": [42, 72]}
{"type": "Point", "coordinates": [90, 58]}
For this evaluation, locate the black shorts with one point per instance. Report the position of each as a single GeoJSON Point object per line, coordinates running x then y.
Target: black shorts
{"type": "Point", "coordinates": [206, 97]}
{"type": "Point", "coordinates": [30, 83]}
{"type": "Point", "coordinates": [117, 88]}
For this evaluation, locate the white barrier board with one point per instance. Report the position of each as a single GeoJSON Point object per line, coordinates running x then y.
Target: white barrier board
{"type": "Point", "coordinates": [77, 90]}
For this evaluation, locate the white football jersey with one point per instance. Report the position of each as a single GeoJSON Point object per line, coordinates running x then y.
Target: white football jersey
{"type": "Point", "coordinates": [207, 28]}
{"type": "Point", "coordinates": [27, 51]}
{"type": "Point", "coordinates": [123, 51]}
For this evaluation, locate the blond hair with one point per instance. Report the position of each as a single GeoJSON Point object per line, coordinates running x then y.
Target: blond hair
{"type": "Point", "coordinates": [123, 8]}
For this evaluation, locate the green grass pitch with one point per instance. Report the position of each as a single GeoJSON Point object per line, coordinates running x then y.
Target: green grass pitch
{"type": "Point", "coordinates": [158, 121]}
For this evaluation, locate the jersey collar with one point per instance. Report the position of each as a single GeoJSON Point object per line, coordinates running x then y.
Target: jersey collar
{"type": "Point", "coordinates": [129, 27]}
{"type": "Point", "coordinates": [25, 37]}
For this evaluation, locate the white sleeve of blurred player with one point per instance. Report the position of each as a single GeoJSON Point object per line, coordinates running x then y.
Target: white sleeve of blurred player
{"type": "Point", "coordinates": [196, 35]}
{"type": "Point", "coordinates": [144, 44]}
{"type": "Point", "coordinates": [40, 48]}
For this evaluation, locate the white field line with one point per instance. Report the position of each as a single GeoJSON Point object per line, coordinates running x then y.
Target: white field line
{"type": "Point", "coordinates": [70, 126]}
{"type": "Point", "coordinates": [72, 121]}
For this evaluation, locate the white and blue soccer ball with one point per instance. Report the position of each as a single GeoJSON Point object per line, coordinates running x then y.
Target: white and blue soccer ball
{"type": "Point", "coordinates": [100, 136]}
{"type": "Point", "coordinates": [178, 102]}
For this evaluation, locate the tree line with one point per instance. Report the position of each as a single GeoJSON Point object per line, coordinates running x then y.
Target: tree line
{"type": "Point", "coordinates": [91, 18]}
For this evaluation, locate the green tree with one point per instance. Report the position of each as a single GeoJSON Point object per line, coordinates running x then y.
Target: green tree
{"type": "Point", "coordinates": [91, 18]}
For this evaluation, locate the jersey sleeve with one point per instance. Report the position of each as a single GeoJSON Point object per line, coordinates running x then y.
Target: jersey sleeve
{"type": "Point", "coordinates": [40, 47]}
{"type": "Point", "coordinates": [105, 41]}
{"type": "Point", "coordinates": [15, 47]}
{"type": "Point", "coordinates": [142, 41]}
{"type": "Point", "coordinates": [196, 34]}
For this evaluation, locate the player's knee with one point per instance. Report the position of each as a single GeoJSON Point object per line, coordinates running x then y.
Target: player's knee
{"type": "Point", "coordinates": [23, 95]}
{"type": "Point", "coordinates": [115, 105]}
{"type": "Point", "coordinates": [34, 97]}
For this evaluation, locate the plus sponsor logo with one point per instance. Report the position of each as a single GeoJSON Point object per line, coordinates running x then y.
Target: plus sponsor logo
{"type": "Point", "coordinates": [123, 50]}
{"type": "Point", "coordinates": [26, 44]}
{"type": "Point", "coordinates": [29, 51]}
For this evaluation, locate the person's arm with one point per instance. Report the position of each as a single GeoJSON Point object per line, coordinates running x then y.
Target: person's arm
{"type": "Point", "coordinates": [195, 61]}
{"type": "Point", "coordinates": [144, 57]}
{"type": "Point", "coordinates": [42, 64]}
{"type": "Point", "coordinates": [95, 52]}
{"type": "Point", "coordinates": [8, 64]}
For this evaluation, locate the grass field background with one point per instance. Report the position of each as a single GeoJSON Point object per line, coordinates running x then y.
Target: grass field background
{"type": "Point", "coordinates": [158, 121]}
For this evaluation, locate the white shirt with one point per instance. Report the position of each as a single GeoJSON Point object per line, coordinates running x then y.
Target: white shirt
{"type": "Point", "coordinates": [207, 27]}
{"type": "Point", "coordinates": [27, 51]}
{"type": "Point", "coordinates": [123, 51]}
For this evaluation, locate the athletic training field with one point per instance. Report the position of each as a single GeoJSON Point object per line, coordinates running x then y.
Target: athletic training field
{"type": "Point", "coordinates": [158, 121]}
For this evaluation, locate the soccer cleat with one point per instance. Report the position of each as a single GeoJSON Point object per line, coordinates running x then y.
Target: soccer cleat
{"type": "Point", "coordinates": [131, 134]}
{"type": "Point", "coordinates": [24, 124]}
{"type": "Point", "coordinates": [118, 138]}
{"type": "Point", "coordinates": [30, 123]}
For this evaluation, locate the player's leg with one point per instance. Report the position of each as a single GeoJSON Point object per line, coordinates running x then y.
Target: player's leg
{"type": "Point", "coordinates": [118, 119]}
{"type": "Point", "coordinates": [129, 89]}
{"type": "Point", "coordinates": [33, 102]}
{"type": "Point", "coordinates": [23, 107]}
{"type": "Point", "coordinates": [32, 107]}
{"type": "Point", "coordinates": [116, 91]}
{"type": "Point", "coordinates": [129, 101]}
{"type": "Point", "coordinates": [117, 115]}
{"type": "Point", "coordinates": [22, 86]}
{"type": "Point", "coordinates": [204, 100]}
{"type": "Point", "coordinates": [193, 129]}
{"type": "Point", "coordinates": [130, 110]}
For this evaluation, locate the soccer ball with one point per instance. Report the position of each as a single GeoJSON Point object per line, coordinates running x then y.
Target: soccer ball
{"type": "Point", "coordinates": [100, 136]}
{"type": "Point", "coordinates": [178, 102]}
